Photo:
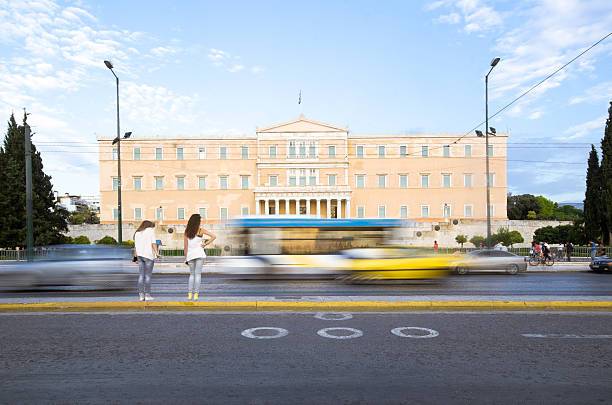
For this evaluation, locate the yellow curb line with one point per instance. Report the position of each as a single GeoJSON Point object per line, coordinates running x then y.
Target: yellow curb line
{"type": "Point", "coordinates": [305, 306]}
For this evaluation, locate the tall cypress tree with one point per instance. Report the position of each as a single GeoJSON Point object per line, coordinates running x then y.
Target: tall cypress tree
{"type": "Point", "coordinates": [592, 198]}
{"type": "Point", "coordinates": [606, 177]}
{"type": "Point", "coordinates": [50, 219]}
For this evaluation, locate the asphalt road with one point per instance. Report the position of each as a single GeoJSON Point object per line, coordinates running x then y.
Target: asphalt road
{"type": "Point", "coordinates": [561, 284]}
{"type": "Point", "coordinates": [161, 358]}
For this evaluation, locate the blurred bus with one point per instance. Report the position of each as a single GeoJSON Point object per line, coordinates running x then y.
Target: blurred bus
{"type": "Point", "coordinates": [357, 248]}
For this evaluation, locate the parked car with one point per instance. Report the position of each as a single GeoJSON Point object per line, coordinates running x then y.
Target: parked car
{"type": "Point", "coordinates": [491, 260]}
{"type": "Point", "coordinates": [101, 267]}
{"type": "Point", "coordinates": [601, 263]}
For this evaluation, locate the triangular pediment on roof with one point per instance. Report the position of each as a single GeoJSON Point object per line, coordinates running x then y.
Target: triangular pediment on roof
{"type": "Point", "coordinates": [302, 124]}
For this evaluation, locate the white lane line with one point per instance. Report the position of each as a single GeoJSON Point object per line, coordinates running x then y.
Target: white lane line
{"type": "Point", "coordinates": [280, 332]}
{"type": "Point", "coordinates": [333, 316]}
{"type": "Point", "coordinates": [400, 332]}
{"type": "Point", "coordinates": [355, 333]}
{"type": "Point", "coordinates": [565, 336]}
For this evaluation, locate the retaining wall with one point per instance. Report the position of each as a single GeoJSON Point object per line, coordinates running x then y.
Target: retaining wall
{"type": "Point", "coordinates": [417, 233]}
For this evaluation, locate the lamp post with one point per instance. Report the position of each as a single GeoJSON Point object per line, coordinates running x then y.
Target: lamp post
{"type": "Point", "coordinates": [494, 62]}
{"type": "Point", "coordinates": [117, 141]}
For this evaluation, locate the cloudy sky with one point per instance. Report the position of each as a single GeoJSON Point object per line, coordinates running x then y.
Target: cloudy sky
{"type": "Point", "coordinates": [213, 68]}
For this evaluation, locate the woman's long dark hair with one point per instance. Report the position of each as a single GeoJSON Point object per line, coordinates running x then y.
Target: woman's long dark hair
{"type": "Point", "coordinates": [193, 226]}
{"type": "Point", "coordinates": [144, 225]}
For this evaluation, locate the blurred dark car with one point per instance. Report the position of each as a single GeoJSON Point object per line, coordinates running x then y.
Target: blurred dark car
{"type": "Point", "coordinates": [101, 267]}
{"type": "Point", "coordinates": [491, 260]}
{"type": "Point", "coordinates": [601, 263]}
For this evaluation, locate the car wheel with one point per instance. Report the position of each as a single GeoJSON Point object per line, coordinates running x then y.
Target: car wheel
{"type": "Point", "coordinates": [462, 270]}
{"type": "Point", "coordinates": [512, 269]}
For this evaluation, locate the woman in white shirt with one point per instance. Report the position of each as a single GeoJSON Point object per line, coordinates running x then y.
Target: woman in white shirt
{"type": "Point", "coordinates": [194, 252]}
{"type": "Point", "coordinates": [145, 250]}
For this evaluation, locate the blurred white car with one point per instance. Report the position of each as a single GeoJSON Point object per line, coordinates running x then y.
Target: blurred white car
{"type": "Point", "coordinates": [490, 260]}
{"type": "Point", "coordinates": [102, 267]}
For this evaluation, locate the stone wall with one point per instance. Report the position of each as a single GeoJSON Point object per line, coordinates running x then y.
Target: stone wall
{"type": "Point", "coordinates": [417, 233]}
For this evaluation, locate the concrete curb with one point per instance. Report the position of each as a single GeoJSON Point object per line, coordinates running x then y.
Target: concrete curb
{"type": "Point", "coordinates": [301, 306]}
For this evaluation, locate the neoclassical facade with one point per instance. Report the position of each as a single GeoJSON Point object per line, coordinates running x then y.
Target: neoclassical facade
{"type": "Point", "coordinates": [304, 167]}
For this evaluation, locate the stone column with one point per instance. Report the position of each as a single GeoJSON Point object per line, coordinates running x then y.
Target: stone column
{"type": "Point", "coordinates": [257, 207]}
{"type": "Point", "coordinates": [348, 208]}
{"type": "Point", "coordinates": [318, 208]}
{"type": "Point", "coordinates": [308, 206]}
{"type": "Point", "coordinates": [328, 205]}
{"type": "Point", "coordinates": [276, 210]}
{"type": "Point", "coordinates": [267, 207]}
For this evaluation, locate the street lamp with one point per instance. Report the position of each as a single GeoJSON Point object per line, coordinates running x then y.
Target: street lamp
{"type": "Point", "coordinates": [117, 141]}
{"type": "Point", "coordinates": [494, 62]}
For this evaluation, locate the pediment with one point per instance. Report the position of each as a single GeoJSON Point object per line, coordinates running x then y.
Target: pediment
{"type": "Point", "coordinates": [302, 124]}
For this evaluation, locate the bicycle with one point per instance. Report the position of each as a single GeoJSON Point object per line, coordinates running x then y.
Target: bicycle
{"type": "Point", "coordinates": [535, 260]}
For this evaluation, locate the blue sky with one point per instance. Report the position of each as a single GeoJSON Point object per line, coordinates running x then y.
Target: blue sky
{"type": "Point", "coordinates": [214, 68]}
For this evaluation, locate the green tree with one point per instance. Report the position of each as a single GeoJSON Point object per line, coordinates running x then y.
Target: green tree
{"type": "Point", "coordinates": [461, 239]}
{"type": "Point", "coordinates": [478, 240]}
{"type": "Point", "coordinates": [567, 213]}
{"type": "Point", "coordinates": [606, 176]}
{"type": "Point", "coordinates": [520, 205]}
{"type": "Point", "coordinates": [592, 198]}
{"type": "Point", "coordinates": [49, 218]}
{"type": "Point", "coordinates": [506, 236]}
{"type": "Point", "coordinates": [84, 214]}
{"type": "Point", "coordinates": [547, 208]}
{"type": "Point", "coordinates": [531, 215]}
{"type": "Point", "coordinates": [516, 237]}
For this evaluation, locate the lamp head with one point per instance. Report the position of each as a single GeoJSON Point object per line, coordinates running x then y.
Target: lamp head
{"type": "Point", "coordinates": [479, 133]}
{"type": "Point", "coordinates": [108, 64]}
{"type": "Point", "coordinates": [127, 135]}
{"type": "Point", "coordinates": [115, 140]}
{"type": "Point", "coordinates": [495, 61]}
{"type": "Point", "coordinates": [492, 130]}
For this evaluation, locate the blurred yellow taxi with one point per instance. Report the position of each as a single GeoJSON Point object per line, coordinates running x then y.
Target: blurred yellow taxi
{"type": "Point", "coordinates": [395, 263]}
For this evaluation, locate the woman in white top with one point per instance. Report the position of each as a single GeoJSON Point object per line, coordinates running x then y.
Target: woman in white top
{"type": "Point", "coordinates": [194, 252]}
{"type": "Point", "coordinates": [145, 250]}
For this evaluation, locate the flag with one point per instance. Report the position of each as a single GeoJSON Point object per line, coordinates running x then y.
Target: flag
{"type": "Point", "coordinates": [300, 98]}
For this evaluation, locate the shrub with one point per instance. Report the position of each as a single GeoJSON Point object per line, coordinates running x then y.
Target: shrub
{"type": "Point", "coordinates": [107, 240]}
{"type": "Point", "coordinates": [81, 240]}
{"type": "Point", "coordinates": [477, 240]}
{"type": "Point", "coordinates": [461, 239]}
{"type": "Point", "coordinates": [129, 243]}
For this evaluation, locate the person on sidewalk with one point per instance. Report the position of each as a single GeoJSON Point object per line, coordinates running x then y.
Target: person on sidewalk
{"type": "Point", "coordinates": [569, 248]}
{"type": "Point", "coordinates": [592, 250]}
{"type": "Point", "coordinates": [602, 250]}
{"type": "Point", "coordinates": [194, 253]}
{"type": "Point", "coordinates": [435, 246]}
{"type": "Point", "coordinates": [145, 251]}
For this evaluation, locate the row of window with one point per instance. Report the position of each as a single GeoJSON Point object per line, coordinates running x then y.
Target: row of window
{"type": "Point", "coordinates": [301, 150]}
{"type": "Point", "coordinates": [468, 212]}
{"type": "Point", "coordinates": [296, 177]}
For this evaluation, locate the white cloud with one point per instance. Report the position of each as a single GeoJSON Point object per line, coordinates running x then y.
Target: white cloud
{"type": "Point", "coordinates": [452, 18]}
{"type": "Point", "coordinates": [595, 94]}
{"type": "Point", "coordinates": [224, 60]}
{"type": "Point", "coordinates": [162, 51]}
{"type": "Point", "coordinates": [475, 13]}
{"type": "Point", "coordinates": [545, 35]}
{"type": "Point", "coordinates": [535, 115]}
{"type": "Point", "coordinates": [584, 129]}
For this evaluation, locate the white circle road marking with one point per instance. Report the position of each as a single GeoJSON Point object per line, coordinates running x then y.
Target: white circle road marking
{"type": "Point", "coordinates": [333, 316]}
{"type": "Point", "coordinates": [280, 332]}
{"type": "Point", "coordinates": [400, 332]}
{"type": "Point", "coordinates": [324, 333]}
